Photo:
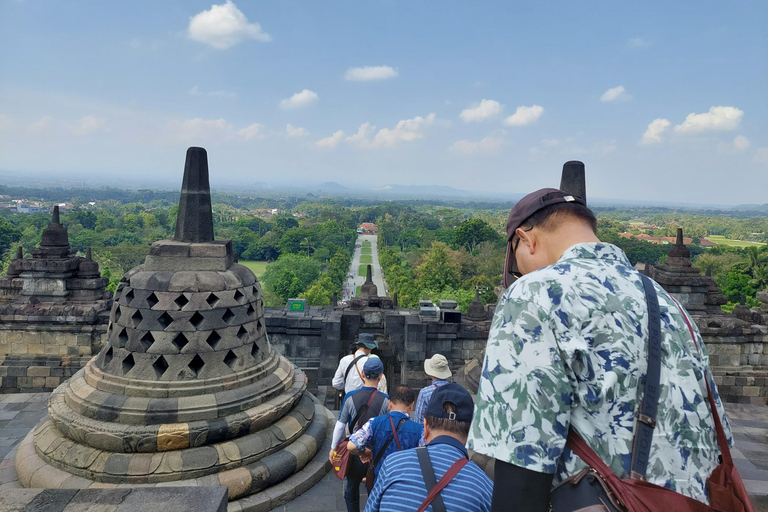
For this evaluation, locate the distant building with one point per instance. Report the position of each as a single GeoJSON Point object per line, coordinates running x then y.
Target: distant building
{"type": "Point", "coordinates": [367, 228]}
{"type": "Point", "coordinates": [703, 242]}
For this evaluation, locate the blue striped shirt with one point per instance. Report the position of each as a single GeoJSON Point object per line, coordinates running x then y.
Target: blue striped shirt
{"type": "Point", "coordinates": [400, 484]}
{"type": "Point", "coordinates": [423, 401]}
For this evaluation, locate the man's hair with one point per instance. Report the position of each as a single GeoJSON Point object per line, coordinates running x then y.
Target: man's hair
{"type": "Point", "coordinates": [548, 217]}
{"type": "Point", "coordinates": [460, 428]}
{"type": "Point", "coordinates": [402, 395]}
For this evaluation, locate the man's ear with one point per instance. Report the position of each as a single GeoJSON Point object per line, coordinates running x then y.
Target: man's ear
{"type": "Point", "coordinates": [528, 239]}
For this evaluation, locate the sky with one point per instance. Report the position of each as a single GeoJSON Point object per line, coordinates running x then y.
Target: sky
{"type": "Point", "coordinates": [662, 101]}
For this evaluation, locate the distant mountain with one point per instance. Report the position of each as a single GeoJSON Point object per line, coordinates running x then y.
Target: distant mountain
{"type": "Point", "coordinates": [331, 186]}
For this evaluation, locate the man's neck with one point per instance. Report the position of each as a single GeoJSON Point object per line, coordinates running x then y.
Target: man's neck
{"type": "Point", "coordinates": [565, 236]}
{"type": "Point", "coordinates": [405, 409]}
{"type": "Point", "coordinates": [370, 383]}
{"type": "Point", "coordinates": [437, 433]}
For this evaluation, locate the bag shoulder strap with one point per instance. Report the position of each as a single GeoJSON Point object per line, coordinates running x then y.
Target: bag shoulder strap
{"type": "Point", "coordinates": [386, 445]}
{"type": "Point", "coordinates": [361, 413]}
{"type": "Point", "coordinates": [646, 420]}
{"type": "Point", "coordinates": [429, 479]}
{"type": "Point", "coordinates": [434, 494]}
{"type": "Point", "coordinates": [349, 368]}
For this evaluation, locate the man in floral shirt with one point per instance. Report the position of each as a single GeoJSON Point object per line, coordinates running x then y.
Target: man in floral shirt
{"type": "Point", "coordinates": [568, 347]}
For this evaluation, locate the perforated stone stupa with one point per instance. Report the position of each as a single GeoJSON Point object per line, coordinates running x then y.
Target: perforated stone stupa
{"type": "Point", "coordinates": [187, 390]}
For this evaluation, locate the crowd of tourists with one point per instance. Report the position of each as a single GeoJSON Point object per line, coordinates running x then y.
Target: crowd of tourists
{"type": "Point", "coordinates": [596, 394]}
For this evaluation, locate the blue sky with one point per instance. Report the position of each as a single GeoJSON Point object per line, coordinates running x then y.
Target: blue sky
{"type": "Point", "coordinates": [663, 101]}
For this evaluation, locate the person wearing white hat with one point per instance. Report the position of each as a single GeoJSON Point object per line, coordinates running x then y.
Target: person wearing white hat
{"type": "Point", "coordinates": [436, 367]}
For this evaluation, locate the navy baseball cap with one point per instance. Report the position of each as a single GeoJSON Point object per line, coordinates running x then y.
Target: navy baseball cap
{"type": "Point", "coordinates": [367, 339]}
{"type": "Point", "coordinates": [373, 367]}
{"type": "Point", "coordinates": [524, 208]}
{"type": "Point", "coordinates": [456, 394]}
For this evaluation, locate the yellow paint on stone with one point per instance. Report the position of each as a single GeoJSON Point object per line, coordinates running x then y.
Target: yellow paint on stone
{"type": "Point", "coordinates": [173, 436]}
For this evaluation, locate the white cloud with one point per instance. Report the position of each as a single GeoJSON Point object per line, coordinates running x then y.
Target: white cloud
{"type": "Point", "coordinates": [332, 141]}
{"type": "Point", "coordinates": [198, 128]}
{"type": "Point", "coordinates": [487, 145]}
{"type": "Point", "coordinates": [717, 119]}
{"type": "Point", "coordinates": [223, 26]}
{"type": "Point", "coordinates": [369, 73]}
{"type": "Point", "coordinates": [615, 94]}
{"type": "Point", "coordinates": [300, 99]}
{"type": "Point", "coordinates": [482, 111]}
{"type": "Point", "coordinates": [88, 124]}
{"type": "Point", "coordinates": [250, 131]}
{"type": "Point", "coordinates": [741, 143]}
{"type": "Point", "coordinates": [40, 125]}
{"type": "Point", "coordinates": [406, 130]}
{"type": "Point", "coordinates": [637, 42]}
{"type": "Point", "coordinates": [524, 116]}
{"type": "Point", "coordinates": [653, 133]}
{"type": "Point", "coordinates": [292, 131]}
{"type": "Point", "coordinates": [195, 91]}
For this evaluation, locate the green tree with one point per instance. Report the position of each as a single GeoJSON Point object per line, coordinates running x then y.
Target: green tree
{"type": "Point", "coordinates": [436, 271]}
{"type": "Point", "coordinates": [472, 232]}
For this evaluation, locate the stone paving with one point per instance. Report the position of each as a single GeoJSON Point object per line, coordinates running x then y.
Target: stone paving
{"type": "Point", "coordinates": [20, 412]}
{"type": "Point", "coordinates": [359, 279]}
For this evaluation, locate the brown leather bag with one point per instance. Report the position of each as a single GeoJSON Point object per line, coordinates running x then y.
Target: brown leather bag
{"type": "Point", "coordinates": [340, 458]}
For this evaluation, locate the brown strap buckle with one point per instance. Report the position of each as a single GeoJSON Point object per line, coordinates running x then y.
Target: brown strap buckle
{"type": "Point", "coordinates": [651, 422]}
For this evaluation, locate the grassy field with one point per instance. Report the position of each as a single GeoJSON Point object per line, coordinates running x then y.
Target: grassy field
{"type": "Point", "coordinates": [257, 267]}
{"type": "Point", "coordinates": [357, 291]}
{"type": "Point", "coordinates": [362, 270]}
{"type": "Point", "coordinates": [367, 243]}
{"type": "Point", "coordinates": [366, 258]}
{"type": "Point", "coordinates": [365, 250]}
{"type": "Point", "coordinates": [721, 240]}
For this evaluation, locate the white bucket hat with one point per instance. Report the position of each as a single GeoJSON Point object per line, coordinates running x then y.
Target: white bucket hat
{"type": "Point", "coordinates": [437, 366]}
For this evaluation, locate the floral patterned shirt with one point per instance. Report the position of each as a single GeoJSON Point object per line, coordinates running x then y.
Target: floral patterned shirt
{"type": "Point", "coordinates": [568, 347]}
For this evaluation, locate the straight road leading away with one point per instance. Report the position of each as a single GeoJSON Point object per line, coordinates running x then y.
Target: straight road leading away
{"type": "Point", "coordinates": [351, 284]}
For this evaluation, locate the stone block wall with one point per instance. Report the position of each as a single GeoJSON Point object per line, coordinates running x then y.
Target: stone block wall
{"type": "Point", "coordinates": [35, 374]}
{"type": "Point", "coordinates": [742, 386]}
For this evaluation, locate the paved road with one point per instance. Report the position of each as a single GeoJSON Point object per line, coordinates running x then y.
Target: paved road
{"type": "Point", "coordinates": [353, 282]}
{"type": "Point", "coordinates": [21, 411]}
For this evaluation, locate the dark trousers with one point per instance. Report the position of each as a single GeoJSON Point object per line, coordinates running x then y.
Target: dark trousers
{"type": "Point", "coordinates": [355, 475]}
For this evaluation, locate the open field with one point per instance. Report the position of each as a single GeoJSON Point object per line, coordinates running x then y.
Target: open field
{"type": "Point", "coordinates": [357, 291]}
{"type": "Point", "coordinates": [366, 258]}
{"type": "Point", "coordinates": [366, 243]}
{"type": "Point", "coordinates": [362, 270]}
{"type": "Point", "coordinates": [257, 267]}
{"type": "Point", "coordinates": [365, 250]}
{"type": "Point", "coordinates": [721, 240]}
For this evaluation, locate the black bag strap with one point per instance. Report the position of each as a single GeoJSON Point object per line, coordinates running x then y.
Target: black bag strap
{"type": "Point", "coordinates": [349, 368]}
{"type": "Point", "coordinates": [429, 478]}
{"type": "Point", "coordinates": [646, 420]}
{"type": "Point", "coordinates": [361, 413]}
{"type": "Point", "coordinates": [386, 445]}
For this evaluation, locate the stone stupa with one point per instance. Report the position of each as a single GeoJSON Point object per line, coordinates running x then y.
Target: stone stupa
{"type": "Point", "coordinates": [187, 390]}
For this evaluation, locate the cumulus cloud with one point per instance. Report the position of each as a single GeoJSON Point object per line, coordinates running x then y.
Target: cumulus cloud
{"type": "Point", "coordinates": [300, 99]}
{"type": "Point", "coordinates": [369, 73]}
{"type": "Point", "coordinates": [40, 125]}
{"type": "Point", "coordinates": [637, 42]}
{"type": "Point", "coordinates": [292, 131]}
{"type": "Point", "coordinates": [487, 145]}
{"type": "Point", "coordinates": [741, 143]}
{"type": "Point", "coordinates": [653, 133]}
{"type": "Point", "coordinates": [524, 116]}
{"type": "Point", "coordinates": [195, 91]}
{"type": "Point", "coordinates": [250, 131]}
{"type": "Point", "coordinates": [615, 94]}
{"type": "Point", "coordinates": [482, 111]}
{"type": "Point", "coordinates": [717, 119]}
{"type": "Point", "coordinates": [198, 128]}
{"type": "Point", "coordinates": [332, 141]}
{"type": "Point", "coordinates": [406, 130]}
{"type": "Point", "coordinates": [88, 124]}
{"type": "Point", "coordinates": [223, 26]}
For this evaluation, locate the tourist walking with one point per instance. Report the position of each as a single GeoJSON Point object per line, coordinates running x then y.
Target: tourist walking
{"type": "Point", "coordinates": [568, 348]}
{"type": "Point", "coordinates": [384, 435]}
{"type": "Point", "coordinates": [438, 370]}
{"type": "Point", "coordinates": [406, 477]}
{"type": "Point", "coordinates": [349, 373]}
{"type": "Point", "coordinates": [359, 406]}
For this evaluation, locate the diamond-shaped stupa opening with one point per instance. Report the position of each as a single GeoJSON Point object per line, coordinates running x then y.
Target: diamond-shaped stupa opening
{"type": "Point", "coordinates": [147, 341]}
{"type": "Point", "coordinates": [180, 341]}
{"type": "Point", "coordinates": [160, 365]}
{"type": "Point", "coordinates": [128, 363]}
{"type": "Point", "coordinates": [196, 364]}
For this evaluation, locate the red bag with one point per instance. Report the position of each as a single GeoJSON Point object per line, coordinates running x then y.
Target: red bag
{"type": "Point", "coordinates": [340, 458]}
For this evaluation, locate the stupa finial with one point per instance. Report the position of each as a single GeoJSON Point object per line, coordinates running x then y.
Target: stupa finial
{"type": "Point", "coordinates": [573, 179]}
{"type": "Point", "coordinates": [195, 221]}
{"type": "Point", "coordinates": [55, 219]}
